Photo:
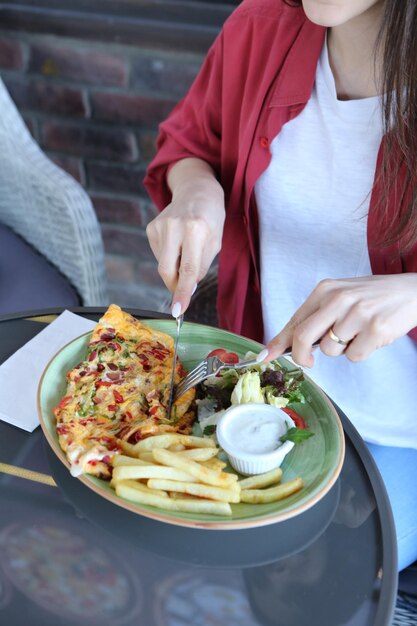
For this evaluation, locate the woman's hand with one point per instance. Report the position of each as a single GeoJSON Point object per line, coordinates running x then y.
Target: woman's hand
{"type": "Point", "coordinates": [364, 314]}
{"type": "Point", "coordinates": [187, 235]}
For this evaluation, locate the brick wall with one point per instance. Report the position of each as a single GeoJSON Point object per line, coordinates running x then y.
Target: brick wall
{"type": "Point", "coordinates": [94, 107]}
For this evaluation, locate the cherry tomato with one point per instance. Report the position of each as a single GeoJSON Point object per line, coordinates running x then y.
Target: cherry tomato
{"type": "Point", "coordinates": [230, 357]}
{"type": "Point", "coordinates": [297, 419]}
{"type": "Point", "coordinates": [217, 352]}
{"type": "Point", "coordinates": [224, 355]}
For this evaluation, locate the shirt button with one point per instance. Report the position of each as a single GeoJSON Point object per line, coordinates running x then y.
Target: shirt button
{"type": "Point", "coordinates": [264, 142]}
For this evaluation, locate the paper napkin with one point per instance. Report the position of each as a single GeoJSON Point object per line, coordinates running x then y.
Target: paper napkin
{"type": "Point", "coordinates": [20, 374]}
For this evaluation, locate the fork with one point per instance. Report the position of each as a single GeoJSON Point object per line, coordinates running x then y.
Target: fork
{"type": "Point", "coordinates": [210, 366]}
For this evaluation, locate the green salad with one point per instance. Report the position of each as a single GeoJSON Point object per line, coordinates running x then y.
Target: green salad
{"type": "Point", "coordinates": [269, 383]}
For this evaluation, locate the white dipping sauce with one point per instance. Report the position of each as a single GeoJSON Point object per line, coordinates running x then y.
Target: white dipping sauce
{"type": "Point", "coordinates": [255, 428]}
{"type": "Point", "coordinates": [255, 434]}
{"type": "Point", "coordinates": [250, 435]}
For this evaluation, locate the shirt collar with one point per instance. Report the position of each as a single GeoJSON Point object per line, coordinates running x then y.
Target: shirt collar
{"type": "Point", "coordinates": [296, 78]}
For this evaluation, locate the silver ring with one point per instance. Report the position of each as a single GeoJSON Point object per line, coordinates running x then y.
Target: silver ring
{"type": "Point", "coordinates": [337, 339]}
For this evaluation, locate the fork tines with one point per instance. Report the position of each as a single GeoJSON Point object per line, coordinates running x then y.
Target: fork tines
{"type": "Point", "coordinates": [208, 367]}
{"type": "Point", "coordinates": [192, 379]}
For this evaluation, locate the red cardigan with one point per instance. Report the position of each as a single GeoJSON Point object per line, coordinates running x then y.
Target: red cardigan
{"type": "Point", "coordinates": [257, 76]}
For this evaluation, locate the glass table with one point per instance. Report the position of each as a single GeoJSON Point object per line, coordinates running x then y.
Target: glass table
{"type": "Point", "coordinates": [69, 557]}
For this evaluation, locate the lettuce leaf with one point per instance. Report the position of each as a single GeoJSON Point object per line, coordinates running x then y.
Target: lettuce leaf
{"type": "Point", "coordinates": [248, 389]}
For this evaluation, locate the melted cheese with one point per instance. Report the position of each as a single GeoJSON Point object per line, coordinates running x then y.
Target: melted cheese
{"type": "Point", "coordinates": [119, 392]}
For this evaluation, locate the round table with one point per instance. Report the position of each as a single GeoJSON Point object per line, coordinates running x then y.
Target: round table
{"type": "Point", "coordinates": [71, 557]}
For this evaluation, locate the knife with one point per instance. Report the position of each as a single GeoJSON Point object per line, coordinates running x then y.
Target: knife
{"type": "Point", "coordinates": [180, 320]}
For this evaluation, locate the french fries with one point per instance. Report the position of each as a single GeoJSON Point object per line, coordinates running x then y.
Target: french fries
{"type": "Point", "coordinates": [196, 489]}
{"type": "Point", "coordinates": [199, 454]}
{"type": "Point", "coordinates": [170, 439]}
{"type": "Point", "coordinates": [170, 504]}
{"type": "Point", "coordinates": [182, 473]}
{"type": "Point", "coordinates": [134, 484]}
{"type": "Point", "coordinates": [203, 474]}
{"type": "Point", "coordinates": [150, 471]}
{"type": "Point", "coordinates": [215, 464]}
{"type": "Point", "coordinates": [122, 459]}
{"type": "Point", "coordinates": [262, 480]}
{"type": "Point", "coordinates": [272, 494]}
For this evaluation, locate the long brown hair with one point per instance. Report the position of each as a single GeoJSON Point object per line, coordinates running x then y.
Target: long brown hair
{"type": "Point", "coordinates": [397, 46]}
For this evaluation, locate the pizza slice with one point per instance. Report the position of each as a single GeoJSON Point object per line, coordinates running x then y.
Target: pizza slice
{"type": "Point", "coordinates": [119, 393]}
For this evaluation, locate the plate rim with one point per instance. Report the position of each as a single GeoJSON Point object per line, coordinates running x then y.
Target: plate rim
{"type": "Point", "coordinates": [170, 518]}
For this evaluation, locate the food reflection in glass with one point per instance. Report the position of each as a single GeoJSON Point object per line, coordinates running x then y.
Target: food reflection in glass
{"type": "Point", "coordinates": [68, 573]}
{"type": "Point", "coordinates": [195, 601]}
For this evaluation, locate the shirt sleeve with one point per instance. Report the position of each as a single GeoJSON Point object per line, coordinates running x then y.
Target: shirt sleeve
{"type": "Point", "coordinates": [193, 129]}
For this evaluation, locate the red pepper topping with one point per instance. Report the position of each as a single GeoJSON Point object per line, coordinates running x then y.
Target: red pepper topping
{"type": "Point", "coordinates": [100, 367]}
{"type": "Point", "coordinates": [103, 383]}
{"type": "Point", "coordinates": [93, 355]}
{"type": "Point", "coordinates": [112, 407]}
{"type": "Point", "coordinates": [118, 397]}
{"type": "Point", "coordinates": [115, 377]}
{"type": "Point", "coordinates": [64, 402]}
{"type": "Point", "coordinates": [114, 346]}
{"type": "Point", "coordinates": [135, 437]}
{"type": "Point", "coordinates": [107, 336]}
{"type": "Point", "coordinates": [296, 418]}
{"type": "Point", "coordinates": [153, 410]}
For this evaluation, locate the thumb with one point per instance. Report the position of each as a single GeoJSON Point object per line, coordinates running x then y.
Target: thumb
{"type": "Point", "coordinates": [279, 344]}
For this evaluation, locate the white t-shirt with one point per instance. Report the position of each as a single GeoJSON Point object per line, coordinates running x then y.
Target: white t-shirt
{"type": "Point", "coordinates": [313, 201]}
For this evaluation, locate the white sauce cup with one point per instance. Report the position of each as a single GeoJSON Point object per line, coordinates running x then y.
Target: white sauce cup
{"type": "Point", "coordinates": [250, 436]}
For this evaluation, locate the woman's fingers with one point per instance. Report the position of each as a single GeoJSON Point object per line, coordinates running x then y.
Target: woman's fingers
{"type": "Point", "coordinates": [191, 265]}
{"type": "Point", "coordinates": [305, 328]}
{"type": "Point", "coordinates": [328, 316]}
{"type": "Point", "coordinates": [186, 235]}
{"type": "Point", "coordinates": [333, 343]}
{"type": "Point", "coordinates": [353, 317]}
{"type": "Point", "coordinates": [165, 239]}
{"type": "Point", "coordinates": [184, 249]}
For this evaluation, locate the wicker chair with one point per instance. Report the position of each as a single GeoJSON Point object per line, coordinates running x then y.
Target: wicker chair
{"type": "Point", "coordinates": [405, 613]}
{"type": "Point", "coordinates": [48, 208]}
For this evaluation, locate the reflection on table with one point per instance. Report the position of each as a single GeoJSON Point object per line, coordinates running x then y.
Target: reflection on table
{"type": "Point", "coordinates": [66, 548]}
{"type": "Point", "coordinates": [70, 557]}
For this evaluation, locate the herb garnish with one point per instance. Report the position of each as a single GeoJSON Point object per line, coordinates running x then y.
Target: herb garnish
{"type": "Point", "coordinates": [209, 430]}
{"type": "Point", "coordinates": [296, 435]}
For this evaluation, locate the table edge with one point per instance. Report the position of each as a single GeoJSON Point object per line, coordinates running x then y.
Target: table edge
{"type": "Point", "coordinates": [389, 586]}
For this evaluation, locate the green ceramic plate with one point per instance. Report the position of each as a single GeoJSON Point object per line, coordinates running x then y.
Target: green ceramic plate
{"type": "Point", "coordinates": [318, 460]}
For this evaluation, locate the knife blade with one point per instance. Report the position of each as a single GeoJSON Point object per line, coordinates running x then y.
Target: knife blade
{"type": "Point", "coordinates": [180, 320]}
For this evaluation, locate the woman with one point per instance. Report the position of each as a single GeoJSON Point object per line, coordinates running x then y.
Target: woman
{"type": "Point", "coordinates": [295, 152]}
